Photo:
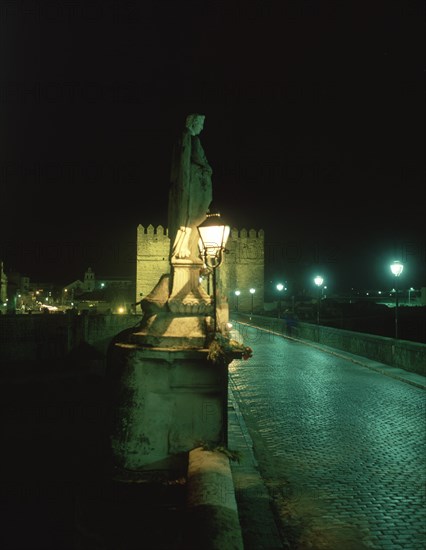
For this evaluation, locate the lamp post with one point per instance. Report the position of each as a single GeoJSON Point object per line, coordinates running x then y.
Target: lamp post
{"type": "Point", "coordinates": [252, 291]}
{"type": "Point", "coordinates": [318, 281]}
{"type": "Point", "coordinates": [410, 290]}
{"type": "Point", "coordinates": [280, 288]}
{"type": "Point", "coordinates": [396, 268]}
{"type": "Point", "coordinates": [237, 293]}
{"type": "Point", "coordinates": [214, 234]}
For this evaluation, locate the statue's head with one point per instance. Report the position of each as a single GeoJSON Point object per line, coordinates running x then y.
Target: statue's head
{"type": "Point", "coordinates": [195, 123]}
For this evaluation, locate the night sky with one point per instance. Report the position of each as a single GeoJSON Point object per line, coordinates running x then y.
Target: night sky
{"type": "Point", "coordinates": [314, 129]}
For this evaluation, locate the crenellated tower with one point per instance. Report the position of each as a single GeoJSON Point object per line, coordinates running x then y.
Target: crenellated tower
{"type": "Point", "coordinates": [152, 258]}
{"type": "Point", "coordinates": [242, 269]}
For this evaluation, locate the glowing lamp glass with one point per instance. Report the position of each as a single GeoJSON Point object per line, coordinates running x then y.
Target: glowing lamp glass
{"type": "Point", "coordinates": [397, 268]}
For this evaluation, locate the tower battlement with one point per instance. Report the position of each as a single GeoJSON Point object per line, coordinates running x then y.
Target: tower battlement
{"type": "Point", "coordinates": [247, 234]}
{"type": "Point", "coordinates": [151, 230]}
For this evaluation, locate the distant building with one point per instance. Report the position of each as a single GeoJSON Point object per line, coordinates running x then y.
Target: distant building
{"type": "Point", "coordinates": [102, 294]}
{"type": "Point", "coordinates": [75, 287]}
{"type": "Point", "coordinates": [123, 283]}
{"type": "Point", "coordinates": [25, 285]}
{"type": "Point", "coordinates": [88, 284]}
{"type": "Point", "coordinates": [17, 292]}
{"type": "Point", "coordinates": [89, 280]}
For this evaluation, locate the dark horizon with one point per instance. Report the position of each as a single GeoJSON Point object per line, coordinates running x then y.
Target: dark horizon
{"type": "Point", "coordinates": [314, 130]}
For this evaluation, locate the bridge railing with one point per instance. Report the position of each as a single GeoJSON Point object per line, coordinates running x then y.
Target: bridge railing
{"type": "Point", "coordinates": [49, 340]}
{"type": "Point", "coordinates": [403, 354]}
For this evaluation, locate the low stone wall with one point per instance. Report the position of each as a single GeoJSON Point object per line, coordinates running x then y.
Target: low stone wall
{"type": "Point", "coordinates": [100, 329]}
{"type": "Point", "coordinates": [51, 337]}
{"type": "Point", "coordinates": [212, 521]}
{"type": "Point", "coordinates": [403, 354]}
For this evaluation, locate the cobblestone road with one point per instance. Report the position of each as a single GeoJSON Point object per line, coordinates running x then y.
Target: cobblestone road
{"type": "Point", "coordinates": [341, 447]}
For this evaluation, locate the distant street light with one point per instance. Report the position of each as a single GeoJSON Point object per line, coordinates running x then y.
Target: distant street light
{"type": "Point", "coordinates": [396, 268]}
{"type": "Point", "coordinates": [237, 293]}
{"type": "Point", "coordinates": [280, 288]}
{"type": "Point", "coordinates": [319, 282]}
{"type": "Point", "coordinates": [410, 290]}
{"type": "Point", "coordinates": [252, 291]}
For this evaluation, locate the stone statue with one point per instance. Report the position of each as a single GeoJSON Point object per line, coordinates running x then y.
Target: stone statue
{"type": "Point", "coordinates": [190, 193]}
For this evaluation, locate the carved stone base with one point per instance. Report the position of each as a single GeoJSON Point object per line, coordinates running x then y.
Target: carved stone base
{"type": "Point", "coordinates": [169, 330]}
{"type": "Point", "coordinates": [187, 295]}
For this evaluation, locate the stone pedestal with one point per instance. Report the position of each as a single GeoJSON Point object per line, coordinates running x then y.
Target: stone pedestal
{"type": "Point", "coordinates": [167, 395]}
{"type": "Point", "coordinates": [164, 402]}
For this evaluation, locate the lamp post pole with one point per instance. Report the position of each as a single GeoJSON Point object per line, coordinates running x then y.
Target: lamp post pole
{"type": "Point", "coordinates": [280, 287]}
{"type": "Point", "coordinates": [214, 234]}
{"type": "Point", "coordinates": [396, 307]}
{"type": "Point", "coordinates": [252, 291]}
{"type": "Point", "coordinates": [237, 293]}
{"type": "Point", "coordinates": [208, 283]}
{"type": "Point", "coordinates": [396, 269]}
{"type": "Point", "coordinates": [318, 281]}
{"type": "Point", "coordinates": [214, 303]}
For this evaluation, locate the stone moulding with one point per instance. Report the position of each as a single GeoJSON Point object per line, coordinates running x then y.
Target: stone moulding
{"type": "Point", "coordinates": [224, 352]}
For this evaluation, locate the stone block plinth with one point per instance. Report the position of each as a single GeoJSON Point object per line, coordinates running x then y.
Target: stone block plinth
{"type": "Point", "coordinates": [164, 402]}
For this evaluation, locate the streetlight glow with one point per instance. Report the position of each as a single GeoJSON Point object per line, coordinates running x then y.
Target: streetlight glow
{"type": "Point", "coordinates": [280, 288]}
{"type": "Point", "coordinates": [214, 234]}
{"type": "Point", "coordinates": [396, 268]}
{"type": "Point", "coordinates": [252, 291]}
{"type": "Point", "coordinates": [318, 280]}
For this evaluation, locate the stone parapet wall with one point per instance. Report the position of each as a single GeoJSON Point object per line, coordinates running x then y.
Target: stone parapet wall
{"type": "Point", "coordinates": [52, 337]}
{"type": "Point", "coordinates": [403, 354]}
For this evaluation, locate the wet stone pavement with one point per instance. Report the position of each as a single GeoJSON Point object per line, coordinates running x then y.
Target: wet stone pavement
{"type": "Point", "coordinates": [340, 446]}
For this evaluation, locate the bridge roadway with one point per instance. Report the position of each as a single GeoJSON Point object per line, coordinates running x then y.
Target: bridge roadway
{"type": "Point", "coordinates": [340, 446]}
